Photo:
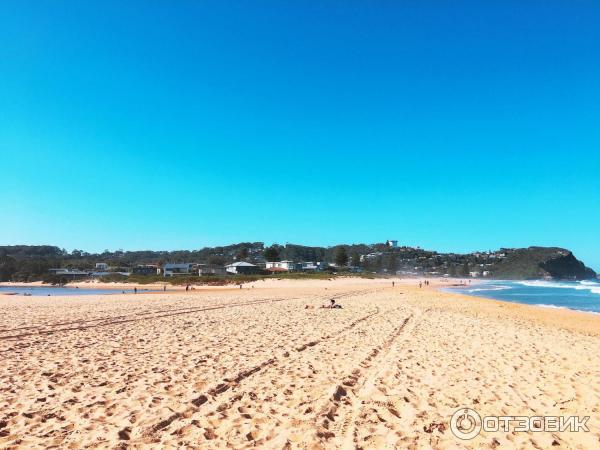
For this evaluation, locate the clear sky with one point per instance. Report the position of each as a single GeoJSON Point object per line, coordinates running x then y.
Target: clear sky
{"type": "Point", "coordinates": [455, 126]}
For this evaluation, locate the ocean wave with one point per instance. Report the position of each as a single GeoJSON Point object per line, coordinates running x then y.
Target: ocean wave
{"type": "Point", "coordinates": [591, 286]}
{"type": "Point", "coordinates": [489, 288]}
{"type": "Point", "coordinates": [546, 284]}
{"type": "Point", "coordinates": [544, 305]}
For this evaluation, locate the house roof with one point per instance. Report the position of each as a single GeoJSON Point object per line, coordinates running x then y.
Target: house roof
{"type": "Point", "coordinates": [241, 264]}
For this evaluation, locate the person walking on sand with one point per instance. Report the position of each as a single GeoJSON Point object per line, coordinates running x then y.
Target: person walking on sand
{"type": "Point", "coordinates": [393, 283]}
{"type": "Point", "coordinates": [420, 285]}
{"type": "Point", "coordinates": [135, 290]}
{"type": "Point", "coordinates": [165, 288]}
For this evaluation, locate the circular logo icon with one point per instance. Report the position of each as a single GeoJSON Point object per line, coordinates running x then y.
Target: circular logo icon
{"type": "Point", "coordinates": [465, 423]}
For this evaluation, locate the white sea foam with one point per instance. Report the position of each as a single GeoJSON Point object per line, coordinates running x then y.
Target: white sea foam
{"type": "Point", "coordinates": [591, 286]}
{"type": "Point", "coordinates": [547, 284]}
{"type": "Point", "coordinates": [543, 305]}
{"type": "Point", "coordinates": [489, 288]}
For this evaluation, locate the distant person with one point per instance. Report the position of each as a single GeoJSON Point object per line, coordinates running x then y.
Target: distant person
{"type": "Point", "coordinates": [420, 285]}
{"type": "Point", "coordinates": [393, 283]}
{"type": "Point", "coordinates": [187, 287]}
{"type": "Point", "coordinates": [135, 290]}
{"type": "Point", "coordinates": [165, 288]}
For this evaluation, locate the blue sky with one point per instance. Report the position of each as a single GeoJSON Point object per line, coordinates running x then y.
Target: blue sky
{"type": "Point", "coordinates": [455, 126]}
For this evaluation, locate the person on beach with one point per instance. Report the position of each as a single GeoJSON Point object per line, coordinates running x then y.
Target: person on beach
{"type": "Point", "coordinates": [165, 288]}
{"type": "Point", "coordinates": [420, 285]}
{"type": "Point", "coordinates": [135, 290]}
{"type": "Point", "coordinates": [393, 283]}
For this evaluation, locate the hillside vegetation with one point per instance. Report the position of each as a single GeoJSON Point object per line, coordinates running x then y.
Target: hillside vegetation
{"type": "Point", "coordinates": [32, 263]}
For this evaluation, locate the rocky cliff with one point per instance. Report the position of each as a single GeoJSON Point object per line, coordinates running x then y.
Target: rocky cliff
{"type": "Point", "coordinates": [540, 262]}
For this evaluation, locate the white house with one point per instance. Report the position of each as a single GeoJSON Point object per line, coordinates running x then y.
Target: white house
{"type": "Point", "coordinates": [290, 266]}
{"type": "Point", "coordinates": [313, 266]}
{"type": "Point", "coordinates": [171, 269]}
{"type": "Point", "coordinates": [101, 266]}
{"type": "Point", "coordinates": [392, 244]}
{"type": "Point", "coordinates": [242, 267]}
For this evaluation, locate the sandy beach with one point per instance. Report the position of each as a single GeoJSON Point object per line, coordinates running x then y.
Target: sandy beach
{"type": "Point", "coordinates": [265, 366]}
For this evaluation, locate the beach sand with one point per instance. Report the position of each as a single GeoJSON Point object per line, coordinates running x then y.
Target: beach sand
{"type": "Point", "coordinates": [255, 367]}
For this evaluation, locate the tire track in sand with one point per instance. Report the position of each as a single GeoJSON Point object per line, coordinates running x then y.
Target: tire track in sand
{"type": "Point", "coordinates": [345, 405]}
{"type": "Point", "coordinates": [232, 382]}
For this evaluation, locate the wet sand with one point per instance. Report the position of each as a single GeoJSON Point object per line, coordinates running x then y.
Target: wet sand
{"type": "Point", "coordinates": [266, 367]}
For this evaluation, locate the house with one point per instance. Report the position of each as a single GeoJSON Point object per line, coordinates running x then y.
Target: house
{"type": "Point", "coordinates": [70, 273]}
{"type": "Point", "coordinates": [392, 244]}
{"type": "Point", "coordinates": [101, 267]}
{"type": "Point", "coordinates": [171, 269]}
{"type": "Point", "coordinates": [474, 274]}
{"type": "Point", "coordinates": [310, 266]}
{"type": "Point", "coordinates": [279, 266]}
{"type": "Point", "coordinates": [146, 269]}
{"type": "Point", "coordinates": [242, 267]}
{"type": "Point", "coordinates": [211, 269]}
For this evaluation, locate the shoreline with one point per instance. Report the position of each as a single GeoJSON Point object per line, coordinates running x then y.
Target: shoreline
{"type": "Point", "coordinates": [547, 306]}
{"type": "Point", "coordinates": [443, 285]}
{"type": "Point", "coordinates": [277, 360]}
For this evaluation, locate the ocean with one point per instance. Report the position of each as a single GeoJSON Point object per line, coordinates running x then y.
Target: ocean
{"type": "Point", "coordinates": [50, 290]}
{"type": "Point", "coordinates": [576, 295]}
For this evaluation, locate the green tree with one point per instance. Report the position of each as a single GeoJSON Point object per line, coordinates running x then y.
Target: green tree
{"type": "Point", "coordinates": [341, 257]}
{"type": "Point", "coordinates": [452, 270]}
{"type": "Point", "coordinates": [465, 272]}
{"type": "Point", "coordinates": [216, 260]}
{"type": "Point", "coordinates": [392, 263]}
{"type": "Point", "coordinates": [271, 253]}
{"type": "Point", "coordinates": [242, 254]}
{"type": "Point", "coordinates": [355, 259]}
{"type": "Point", "coordinates": [377, 264]}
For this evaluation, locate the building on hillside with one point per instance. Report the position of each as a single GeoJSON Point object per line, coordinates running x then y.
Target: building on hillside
{"type": "Point", "coordinates": [392, 244]}
{"type": "Point", "coordinates": [146, 269]}
{"type": "Point", "coordinates": [211, 269]}
{"type": "Point", "coordinates": [70, 273]}
{"type": "Point", "coordinates": [242, 267]}
{"type": "Point", "coordinates": [289, 266]}
{"type": "Point", "coordinates": [474, 274]}
{"type": "Point", "coordinates": [310, 266]}
{"type": "Point", "coordinates": [101, 266]}
{"type": "Point", "coordinates": [171, 269]}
